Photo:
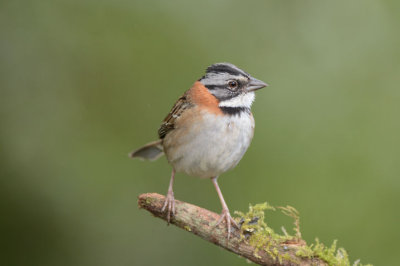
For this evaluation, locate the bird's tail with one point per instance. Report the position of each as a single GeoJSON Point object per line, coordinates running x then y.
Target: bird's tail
{"type": "Point", "coordinates": [151, 151]}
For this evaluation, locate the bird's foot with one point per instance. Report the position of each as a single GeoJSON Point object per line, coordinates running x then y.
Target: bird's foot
{"type": "Point", "coordinates": [169, 205]}
{"type": "Point", "coordinates": [226, 216]}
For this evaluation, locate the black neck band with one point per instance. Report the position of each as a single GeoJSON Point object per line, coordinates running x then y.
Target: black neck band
{"type": "Point", "coordinates": [234, 110]}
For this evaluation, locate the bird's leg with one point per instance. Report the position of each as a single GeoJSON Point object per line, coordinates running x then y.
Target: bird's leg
{"type": "Point", "coordinates": [169, 203]}
{"type": "Point", "coordinates": [225, 215]}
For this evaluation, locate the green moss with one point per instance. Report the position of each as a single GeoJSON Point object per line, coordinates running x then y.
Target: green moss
{"type": "Point", "coordinates": [149, 201]}
{"type": "Point", "coordinates": [258, 234]}
{"type": "Point", "coordinates": [330, 254]}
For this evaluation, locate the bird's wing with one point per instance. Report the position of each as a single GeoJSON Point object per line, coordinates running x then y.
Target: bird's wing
{"type": "Point", "coordinates": [169, 121]}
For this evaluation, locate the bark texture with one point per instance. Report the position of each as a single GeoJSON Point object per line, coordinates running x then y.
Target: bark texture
{"type": "Point", "coordinates": [201, 222]}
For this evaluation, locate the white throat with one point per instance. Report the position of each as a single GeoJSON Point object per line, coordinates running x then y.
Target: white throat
{"type": "Point", "coordinates": [242, 100]}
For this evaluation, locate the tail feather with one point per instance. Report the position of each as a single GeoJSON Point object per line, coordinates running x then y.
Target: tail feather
{"type": "Point", "coordinates": [151, 151]}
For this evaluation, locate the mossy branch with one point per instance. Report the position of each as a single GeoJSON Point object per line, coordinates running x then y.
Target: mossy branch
{"type": "Point", "coordinates": [272, 250]}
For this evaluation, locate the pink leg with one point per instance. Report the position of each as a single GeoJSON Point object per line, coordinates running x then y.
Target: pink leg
{"type": "Point", "coordinates": [225, 215]}
{"type": "Point", "coordinates": [170, 200]}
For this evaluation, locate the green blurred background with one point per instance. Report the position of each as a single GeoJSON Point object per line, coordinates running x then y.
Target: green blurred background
{"type": "Point", "coordinates": [85, 82]}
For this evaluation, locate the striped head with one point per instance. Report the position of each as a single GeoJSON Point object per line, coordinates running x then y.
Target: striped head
{"type": "Point", "coordinates": [233, 87]}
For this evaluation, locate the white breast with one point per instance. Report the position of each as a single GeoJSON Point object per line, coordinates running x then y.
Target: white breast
{"type": "Point", "coordinates": [212, 146]}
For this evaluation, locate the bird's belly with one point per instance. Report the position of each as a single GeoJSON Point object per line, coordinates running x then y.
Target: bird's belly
{"type": "Point", "coordinates": [211, 147]}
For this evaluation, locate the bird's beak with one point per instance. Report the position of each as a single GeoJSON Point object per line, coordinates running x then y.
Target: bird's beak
{"type": "Point", "coordinates": [255, 84]}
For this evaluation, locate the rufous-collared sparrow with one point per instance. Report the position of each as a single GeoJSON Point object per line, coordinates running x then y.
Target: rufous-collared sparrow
{"type": "Point", "coordinates": [208, 130]}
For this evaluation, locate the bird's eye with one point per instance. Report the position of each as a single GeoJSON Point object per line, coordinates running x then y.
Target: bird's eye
{"type": "Point", "coordinates": [233, 84]}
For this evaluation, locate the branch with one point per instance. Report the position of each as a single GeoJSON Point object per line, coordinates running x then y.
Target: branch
{"type": "Point", "coordinates": [201, 222]}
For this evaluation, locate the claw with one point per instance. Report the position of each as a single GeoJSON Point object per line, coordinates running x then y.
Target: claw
{"type": "Point", "coordinates": [169, 205]}
{"type": "Point", "coordinates": [226, 216]}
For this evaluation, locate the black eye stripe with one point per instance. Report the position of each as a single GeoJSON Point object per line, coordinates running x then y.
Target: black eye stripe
{"type": "Point", "coordinates": [225, 86]}
{"type": "Point", "coordinates": [213, 87]}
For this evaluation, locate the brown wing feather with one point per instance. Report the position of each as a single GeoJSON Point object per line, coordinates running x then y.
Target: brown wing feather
{"type": "Point", "coordinates": [169, 121]}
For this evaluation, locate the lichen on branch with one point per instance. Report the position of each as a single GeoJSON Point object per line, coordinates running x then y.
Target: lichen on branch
{"type": "Point", "coordinates": [255, 240]}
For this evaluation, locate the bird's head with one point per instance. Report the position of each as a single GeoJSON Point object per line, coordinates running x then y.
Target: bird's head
{"type": "Point", "coordinates": [232, 86]}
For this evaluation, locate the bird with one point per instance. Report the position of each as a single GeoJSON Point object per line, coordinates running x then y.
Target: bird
{"type": "Point", "coordinates": [207, 131]}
